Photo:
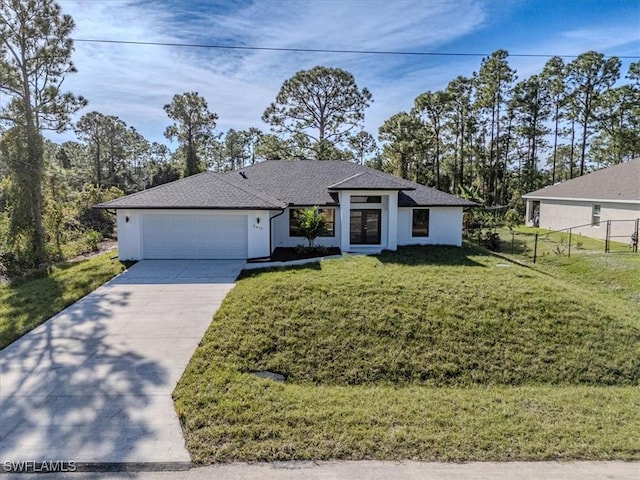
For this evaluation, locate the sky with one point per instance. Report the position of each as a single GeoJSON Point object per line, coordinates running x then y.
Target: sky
{"type": "Point", "coordinates": [134, 82]}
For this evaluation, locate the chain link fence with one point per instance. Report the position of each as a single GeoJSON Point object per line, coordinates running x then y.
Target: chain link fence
{"type": "Point", "coordinates": [535, 244]}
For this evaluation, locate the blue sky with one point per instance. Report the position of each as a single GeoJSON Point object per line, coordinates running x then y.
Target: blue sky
{"type": "Point", "coordinates": [135, 81]}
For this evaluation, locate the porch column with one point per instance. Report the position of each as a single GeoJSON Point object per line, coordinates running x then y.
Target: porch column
{"type": "Point", "coordinates": [345, 220]}
{"type": "Point", "coordinates": [528, 216]}
{"type": "Point", "coordinates": [392, 239]}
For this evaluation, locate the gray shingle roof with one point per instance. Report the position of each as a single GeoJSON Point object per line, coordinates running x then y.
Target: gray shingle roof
{"type": "Point", "coordinates": [204, 190]}
{"type": "Point", "coordinates": [275, 184]}
{"type": "Point", "coordinates": [309, 182]}
{"type": "Point", "coordinates": [369, 181]}
{"type": "Point", "coordinates": [617, 183]}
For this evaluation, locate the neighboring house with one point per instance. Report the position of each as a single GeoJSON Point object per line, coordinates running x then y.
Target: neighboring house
{"type": "Point", "coordinates": [248, 213]}
{"type": "Point", "coordinates": [589, 201]}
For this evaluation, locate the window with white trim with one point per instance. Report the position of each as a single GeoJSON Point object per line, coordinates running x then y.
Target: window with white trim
{"type": "Point", "coordinates": [420, 224]}
{"type": "Point", "coordinates": [329, 226]}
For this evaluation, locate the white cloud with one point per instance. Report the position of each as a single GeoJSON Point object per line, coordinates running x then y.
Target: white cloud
{"type": "Point", "coordinates": [135, 81]}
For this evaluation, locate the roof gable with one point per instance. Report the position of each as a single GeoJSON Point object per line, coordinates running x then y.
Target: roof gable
{"type": "Point", "coordinates": [617, 183]}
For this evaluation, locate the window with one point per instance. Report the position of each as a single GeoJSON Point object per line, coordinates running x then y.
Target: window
{"type": "Point", "coordinates": [595, 216]}
{"type": "Point", "coordinates": [363, 199]}
{"type": "Point", "coordinates": [420, 226]}
{"type": "Point", "coordinates": [330, 222]}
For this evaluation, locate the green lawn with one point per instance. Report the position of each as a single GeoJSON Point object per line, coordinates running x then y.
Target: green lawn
{"type": "Point", "coordinates": [429, 353]}
{"type": "Point", "coordinates": [616, 273]}
{"type": "Point", "coordinates": [27, 302]}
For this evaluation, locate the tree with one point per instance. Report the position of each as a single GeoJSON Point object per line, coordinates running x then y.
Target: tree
{"type": "Point", "coordinates": [493, 85]}
{"type": "Point", "coordinates": [158, 167]}
{"type": "Point", "coordinates": [234, 149]}
{"type": "Point", "coordinates": [252, 139]}
{"type": "Point", "coordinates": [405, 142]}
{"type": "Point", "coordinates": [90, 129]}
{"type": "Point", "coordinates": [531, 107]}
{"type": "Point", "coordinates": [312, 223]}
{"type": "Point", "coordinates": [117, 151]}
{"type": "Point", "coordinates": [553, 75]}
{"type": "Point", "coordinates": [271, 147]}
{"type": "Point", "coordinates": [588, 76]}
{"type": "Point", "coordinates": [432, 109]}
{"type": "Point", "coordinates": [317, 109]}
{"type": "Point", "coordinates": [617, 119]}
{"type": "Point", "coordinates": [35, 57]}
{"type": "Point", "coordinates": [193, 124]}
{"type": "Point", "coordinates": [460, 123]}
{"type": "Point", "coordinates": [362, 145]}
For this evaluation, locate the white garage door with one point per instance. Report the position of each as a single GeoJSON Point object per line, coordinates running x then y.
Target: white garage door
{"type": "Point", "coordinates": [194, 236]}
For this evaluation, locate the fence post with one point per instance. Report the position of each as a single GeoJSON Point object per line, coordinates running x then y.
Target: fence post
{"type": "Point", "coordinates": [535, 249]}
{"type": "Point", "coordinates": [634, 239]}
{"type": "Point", "coordinates": [606, 241]}
{"type": "Point", "coordinates": [513, 236]}
{"type": "Point", "coordinates": [569, 253]}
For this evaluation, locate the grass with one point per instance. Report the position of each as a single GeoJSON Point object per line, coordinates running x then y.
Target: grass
{"type": "Point", "coordinates": [615, 274]}
{"type": "Point", "coordinates": [27, 302]}
{"type": "Point", "coordinates": [426, 354]}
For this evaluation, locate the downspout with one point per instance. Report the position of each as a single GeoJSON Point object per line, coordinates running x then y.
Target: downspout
{"type": "Point", "coordinates": [271, 230]}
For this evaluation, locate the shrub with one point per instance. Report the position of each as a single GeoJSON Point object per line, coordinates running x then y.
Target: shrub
{"type": "Point", "coordinates": [93, 239]}
{"type": "Point", "coordinates": [312, 223]}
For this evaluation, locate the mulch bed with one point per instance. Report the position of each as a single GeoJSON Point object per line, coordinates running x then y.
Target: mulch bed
{"type": "Point", "coordinates": [286, 254]}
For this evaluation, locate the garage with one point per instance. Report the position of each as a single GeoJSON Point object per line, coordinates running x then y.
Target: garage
{"type": "Point", "coordinates": [194, 236]}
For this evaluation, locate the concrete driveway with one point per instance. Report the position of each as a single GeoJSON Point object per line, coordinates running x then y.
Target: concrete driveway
{"type": "Point", "coordinates": [94, 383]}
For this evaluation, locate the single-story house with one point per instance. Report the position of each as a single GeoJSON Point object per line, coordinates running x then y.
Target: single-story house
{"type": "Point", "coordinates": [248, 213]}
{"type": "Point", "coordinates": [587, 202]}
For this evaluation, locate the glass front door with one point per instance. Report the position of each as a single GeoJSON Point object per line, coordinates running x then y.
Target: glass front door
{"type": "Point", "coordinates": [365, 227]}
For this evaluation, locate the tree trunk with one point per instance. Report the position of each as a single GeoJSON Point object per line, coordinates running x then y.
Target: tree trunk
{"type": "Point", "coordinates": [555, 143]}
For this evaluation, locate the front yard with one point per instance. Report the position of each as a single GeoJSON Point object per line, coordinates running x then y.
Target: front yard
{"type": "Point", "coordinates": [27, 302]}
{"type": "Point", "coordinates": [426, 354]}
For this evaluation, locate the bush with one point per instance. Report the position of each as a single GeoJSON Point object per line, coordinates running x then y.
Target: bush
{"type": "Point", "coordinates": [492, 241]}
{"type": "Point", "coordinates": [90, 218]}
{"type": "Point", "coordinates": [93, 239]}
{"type": "Point", "coordinates": [312, 223]}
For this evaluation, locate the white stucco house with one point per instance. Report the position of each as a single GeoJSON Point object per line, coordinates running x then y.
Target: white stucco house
{"type": "Point", "coordinates": [247, 214]}
{"type": "Point", "coordinates": [587, 202]}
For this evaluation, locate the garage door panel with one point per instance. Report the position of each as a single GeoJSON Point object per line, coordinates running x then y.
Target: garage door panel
{"type": "Point", "coordinates": [194, 236]}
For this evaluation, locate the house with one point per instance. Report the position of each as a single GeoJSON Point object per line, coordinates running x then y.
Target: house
{"type": "Point", "coordinates": [248, 213]}
{"type": "Point", "coordinates": [587, 202]}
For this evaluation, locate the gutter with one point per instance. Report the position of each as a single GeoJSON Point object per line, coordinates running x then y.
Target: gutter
{"type": "Point", "coordinates": [271, 231]}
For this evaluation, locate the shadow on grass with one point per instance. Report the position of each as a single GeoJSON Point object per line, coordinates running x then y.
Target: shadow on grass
{"type": "Point", "coordinates": [257, 272]}
{"type": "Point", "coordinates": [432, 255]}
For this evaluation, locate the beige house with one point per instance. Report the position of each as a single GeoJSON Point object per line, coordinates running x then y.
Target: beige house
{"type": "Point", "coordinates": [588, 202]}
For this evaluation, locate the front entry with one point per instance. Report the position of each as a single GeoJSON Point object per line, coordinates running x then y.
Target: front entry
{"type": "Point", "coordinates": [365, 227]}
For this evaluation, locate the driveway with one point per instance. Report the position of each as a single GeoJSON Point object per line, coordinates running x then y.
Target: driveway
{"type": "Point", "coordinates": [94, 383]}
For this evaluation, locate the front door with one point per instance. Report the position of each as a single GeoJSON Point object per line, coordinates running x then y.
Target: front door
{"type": "Point", "coordinates": [365, 227]}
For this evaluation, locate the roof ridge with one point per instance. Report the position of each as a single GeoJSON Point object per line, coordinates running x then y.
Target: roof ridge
{"type": "Point", "coordinates": [346, 179]}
